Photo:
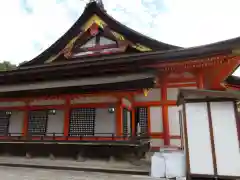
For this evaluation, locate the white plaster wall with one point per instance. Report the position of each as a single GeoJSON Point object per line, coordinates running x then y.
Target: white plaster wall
{"type": "Point", "coordinates": [173, 119]}
{"type": "Point", "coordinates": [45, 102]}
{"type": "Point", "coordinates": [106, 41]}
{"type": "Point", "coordinates": [184, 75]}
{"type": "Point", "coordinates": [129, 122]}
{"type": "Point", "coordinates": [156, 142]}
{"type": "Point", "coordinates": [105, 122]}
{"type": "Point", "coordinates": [16, 122]}
{"type": "Point", "coordinates": [175, 142]}
{"type": "Point", "coordinates": [55, 123]}
{"type": "Point", "coordinates": [200, 153]}
{"type": "Point", "coordinates": [172, 93]}
{"type": "Point", "coordinates": [153, 95]}
{"type": "Point", "coordinates": [12, 104]}
{"type": "Point", "coordinates": [225, 138]}
{"type": "Point", "coordinates": [156, 125]}
{"type": "Point", "coordinates": [93, 99]}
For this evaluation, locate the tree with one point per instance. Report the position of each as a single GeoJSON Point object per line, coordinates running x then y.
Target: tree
{"type": "Point", "coordinates": [7, 66]}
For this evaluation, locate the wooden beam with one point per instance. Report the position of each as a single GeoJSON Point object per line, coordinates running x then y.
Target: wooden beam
{"type": "Point", "coordinates": [156, 103]}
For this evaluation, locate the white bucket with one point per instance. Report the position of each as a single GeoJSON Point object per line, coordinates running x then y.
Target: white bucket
{"type": "Point", "coordinates": [169, 164]}
{"type": "Point", "coordinates": [158, 165]}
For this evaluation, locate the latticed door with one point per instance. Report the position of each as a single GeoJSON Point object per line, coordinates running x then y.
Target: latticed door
{"type": "Point", "coordinates": [142, 119]}
{"type": "Point", "coordinates": [37, 122]}
{"type": "Point", "coordinates": [82, 122]}
{"type": "Point", "coordinates": [126, 122]}
{"type": "Point", "coordinates": [4, 123]}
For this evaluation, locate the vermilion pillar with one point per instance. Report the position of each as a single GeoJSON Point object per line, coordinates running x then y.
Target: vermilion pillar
{"type": "Point", "coordinates": [200, 80]}
{"type": "Point", "coordinates": [25, 118]}
{"type": "Point", "coordinates": [165, 113]}
{"type": "Point", "coordinates": [67, 115]}
{"type": "Point", "coordinates": [133, 116]}
{"type": "Point", "coordinates": [119, 118]}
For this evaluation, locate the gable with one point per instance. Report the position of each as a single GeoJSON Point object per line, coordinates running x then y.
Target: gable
{"type": "Point", "coordinates": [96, 37]}
{"type": "Point", "coordinates": [93, 14]}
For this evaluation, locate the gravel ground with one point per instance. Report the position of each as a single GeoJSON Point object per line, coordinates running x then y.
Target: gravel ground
{"type": "Point", "coordinates": [10, 173]}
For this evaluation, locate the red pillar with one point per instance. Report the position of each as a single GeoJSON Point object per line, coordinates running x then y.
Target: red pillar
{"type": "Point", "coordinates": [119, 118]}
{"type": "Point", "coordinates": [67, 115]}
{"type": "Point", "coordinates": [200, 80]}
{"type": "Point", "coordinates": [133, 116]}
{"type": "Point", "coordinates": [25, 119]}
{"type": "Point", "coordinates": [165, 113]}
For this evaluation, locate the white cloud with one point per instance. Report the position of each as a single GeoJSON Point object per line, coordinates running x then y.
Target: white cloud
{"type": "Point", "coordinates": [20, 30]}
{"type": "Point", "coordinates": [179, 22]}
{"type": "Point", "coordinates": [237, 72]}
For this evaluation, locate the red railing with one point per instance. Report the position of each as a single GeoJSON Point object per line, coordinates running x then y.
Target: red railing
{"type": "Point", "coordinates": [77, 137]}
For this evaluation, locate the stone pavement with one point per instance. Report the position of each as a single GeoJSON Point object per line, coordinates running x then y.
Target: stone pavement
{"type": "Point", "coordinates": [13, 173]}
{"type": "Point", "coordinates": [90, 165]}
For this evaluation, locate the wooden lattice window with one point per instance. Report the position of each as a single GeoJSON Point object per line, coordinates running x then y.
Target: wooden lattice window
{"type": "Point", "coordinates": [142, 119]}
{"type": "Point", "coordinates": [4, 122]}
{"type": "Point", "coordinates": [82, 122]}
{"type": "Point", "coordinates": [37, 122]}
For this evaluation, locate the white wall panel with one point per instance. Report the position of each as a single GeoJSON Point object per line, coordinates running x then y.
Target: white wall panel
{"type": "Point", "coordinates": [156, 124]}
{"type": "Point", "coordinates": [175, 142]}
{"type": "Point", "coordinates": [172, 93]}
{"type": "Point", "coordinates": [200, 152]}
{"type": "Point", "coordinates": [16, 122]}
{"type": "Point", "coordinates": [105, 122]}
{"type": "Point", "coordinates": [55, 123]}
{"type": "Point", "coordinates": [92, 99]}
{"type": "Point", "coordinates": [42, 102]}
{"type": "Point", "coordinates": [129, 122]}
{"type": "Point", "coordinates": [153, 95]}
{"type": "Point", "coordinates": [156, 142]}
{"type": "Point", "coordinates": [225, 138]}
{"type": "Point", "coordinates": [11, 104]}
{"type": "Point", "coordinates": [173, 119]}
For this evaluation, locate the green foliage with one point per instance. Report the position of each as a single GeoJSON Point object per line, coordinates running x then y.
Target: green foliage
{"type": "Point", "coordinates": [7, 66]}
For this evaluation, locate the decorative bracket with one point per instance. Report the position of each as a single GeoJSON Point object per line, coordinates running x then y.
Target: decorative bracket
{"type": "Point", "coordinates": [146, 91]}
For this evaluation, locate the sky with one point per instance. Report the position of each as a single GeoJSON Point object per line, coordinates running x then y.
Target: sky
{"type": "Point", "coordinates": [30, 26]}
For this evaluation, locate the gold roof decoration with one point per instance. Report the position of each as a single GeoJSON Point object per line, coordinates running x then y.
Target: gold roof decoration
{"type": "Point", "coordinates": [146, 91]}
